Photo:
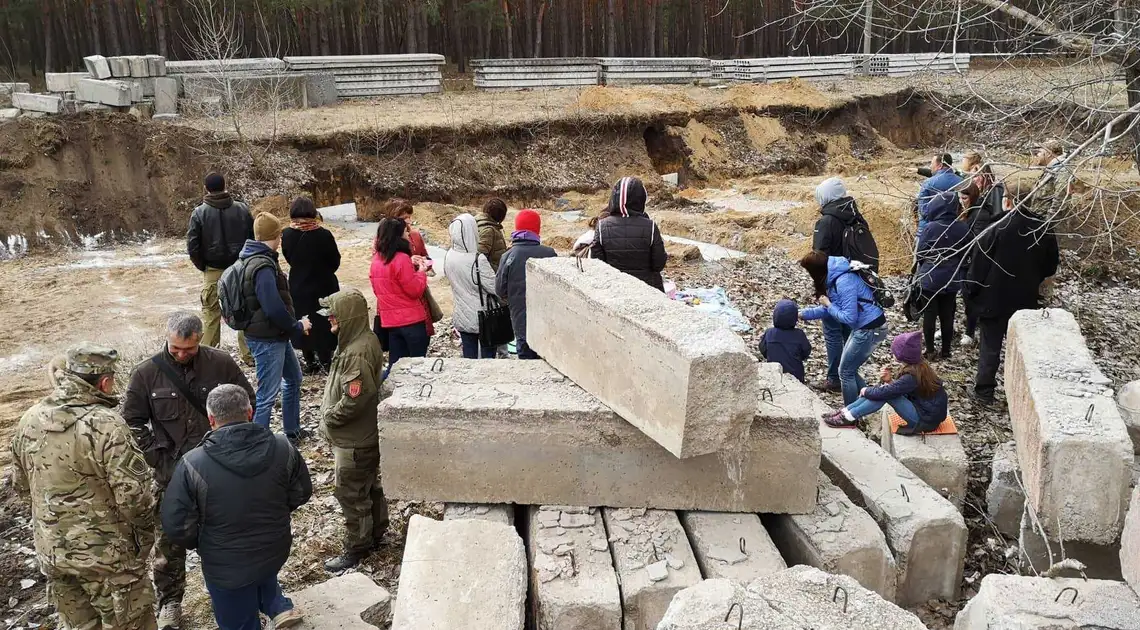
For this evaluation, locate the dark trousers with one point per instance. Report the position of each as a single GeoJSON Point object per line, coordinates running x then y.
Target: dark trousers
{"type": "Point", "coordinates": [472, 349]}
{"type": "Point", "coordinates": [525, 353]}
{"type": "Point", "coordinates": [407, 341]}
{"type": "Point", "coordinates": [357, 488]}
{"type": "Point", "coordinates": [237, 608]}
{"type": "Point", "coordinates": [169, 558]}
{"type": "Point", "coordinates": [940, 307]}
{"type": "Point", "coordinates": [320, 343]}
{"type": "Point", "coordinates": [991, 336]}
{"type": "Point", "coordinates": [971, 318]}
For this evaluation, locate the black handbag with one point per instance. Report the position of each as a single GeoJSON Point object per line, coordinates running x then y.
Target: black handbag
{"type": "Point", "coordinates": [495, 327]}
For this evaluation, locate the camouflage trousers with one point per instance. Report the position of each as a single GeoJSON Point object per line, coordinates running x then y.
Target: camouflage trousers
{"type": "Point", "coordinates": [169, 560]}
{"type": "Point", "coordinates": [99, 603]}
{"type": "Point", "coordinates": [357, 488]}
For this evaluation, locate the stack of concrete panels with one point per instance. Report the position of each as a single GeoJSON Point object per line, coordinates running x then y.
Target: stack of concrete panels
{"type": "Point", "coordinates": [522, 74]}
{"type": "Point", "coordinates": [908, 64]}
{"type": "Point", "coordinates": [723, 70]}
{"type": "Point", "coordinates": [64, 82]}
{"type": "Point", "coordinates": [376, 75]}
{"type": "Point", "coordinates": [654, 70]}
{"type": "Point", "coordinates": [225, 67]}
{"type": "Point", "coordinates": [770, 69]}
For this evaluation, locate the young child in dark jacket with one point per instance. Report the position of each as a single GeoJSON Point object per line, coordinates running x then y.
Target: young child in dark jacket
{"type": "Point", "coordinates": [915, 393]}
{"type": "Point", "coordinates": [784, 343]}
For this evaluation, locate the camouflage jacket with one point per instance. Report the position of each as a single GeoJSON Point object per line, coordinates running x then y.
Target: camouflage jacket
{"type": "Point", "coordinates": [92, 504]}
{"type": "Point", "coordinates": [352, 391]}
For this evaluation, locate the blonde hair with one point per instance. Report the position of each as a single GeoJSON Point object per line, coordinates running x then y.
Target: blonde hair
{"type": "Point", "coordinates": [973, 158]}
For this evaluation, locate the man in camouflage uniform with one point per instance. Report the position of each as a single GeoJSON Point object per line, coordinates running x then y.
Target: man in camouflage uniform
{"type": "Point", "coordinates": [348, 422]}
{"type": "Point", "coordinates": [90, 487]}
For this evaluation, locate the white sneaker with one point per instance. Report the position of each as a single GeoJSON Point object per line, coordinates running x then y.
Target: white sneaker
{"type": "Point", "coordinates": [170, 616]}
{"type": "Point", "coordinates": [289, 618]}
{"type": "Point", "coordinates": [966, 341]}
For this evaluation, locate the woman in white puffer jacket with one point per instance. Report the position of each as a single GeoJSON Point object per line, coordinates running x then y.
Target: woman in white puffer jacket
{"type": "Point", "coordinates": [472, 284]}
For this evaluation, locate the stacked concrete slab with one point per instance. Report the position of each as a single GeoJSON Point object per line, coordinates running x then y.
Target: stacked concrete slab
{"type": "Point", "coordinates": [521, 432]}
{"type": "Point", "coordinates": [45, 103]}
{"type": "Point", "coordinates": [682, 377]}
{"type": "Point", "coordinates": [731, 546]}
{"type": "Point", "coordinates": [903, 65]}
{"type": "Point", "coordinates": [768, 69]}
{"type": "Point", "coordinates": [1072, 445]}
{"type": "Point", "coordinates": [348, 602]}
{"type": "Point", "coordinates": [654, 70]}
{"type": "Point", "coordinates": [653, 560]}
{"type": "Point", "coordinates": [63, 82]}
{"type": "Point", "coordinates": [523, 74]}
{"type": "Point", "coordinates": [105, 92]}
{"type": "Point", "coordinates": [1010, 602]}
{"type": "Point", "coordinates": [573, 582]}
{"type": "Point", "coordinates": [224, 67]}
{"type": "Point", "coordinates": [1005, 496]}
{"type": "Point", "coordinates": [376, 75]}
{"type": "Point", "coordinates": [939, 460]}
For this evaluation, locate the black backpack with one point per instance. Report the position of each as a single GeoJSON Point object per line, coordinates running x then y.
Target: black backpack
{"type": "Point", "coordinates": [879, 291]}
{"type": "Point", "coordinates": [231, 295]}
{"type": "Point", "coordinates": [859, 244]}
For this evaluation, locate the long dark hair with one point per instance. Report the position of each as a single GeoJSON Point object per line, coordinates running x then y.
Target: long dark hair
{"type": "Point", "coordinates": [928, 381]}
{"type": "Point", "coordinates": [815, 263]}
{"type": "Point", "coordinates": [390, 239]}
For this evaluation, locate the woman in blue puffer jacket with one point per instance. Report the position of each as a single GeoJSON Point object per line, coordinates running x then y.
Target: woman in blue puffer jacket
{"type": "Point", "coordinates": [942, 248]}
{"type": "Point", "coordinates": [848, 301]}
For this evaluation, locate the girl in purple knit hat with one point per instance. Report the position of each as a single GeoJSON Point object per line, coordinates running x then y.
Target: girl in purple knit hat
{"type": "Point", "coordinates": [915, 392]}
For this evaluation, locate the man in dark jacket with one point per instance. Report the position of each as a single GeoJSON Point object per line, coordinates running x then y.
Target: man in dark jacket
{"type": "Point", "coordinates": [166, 424]}
{"type": "Point", "coordinates": [784, 343]}
{"type": "Point", "coordinates": [628, 239]}
{"type": "Point", "coordinates": [348, 423]}
{"type": "Point", "coordinates": [218, 229]}
{"type": "Point", "coordinates": [266, 294]}
{"type": "Point", "coordinates": [510, 280]}
{"type": "Point", "coordinates": [232, 498]}
{"type": "Point", "coordinates": [942, 248]}
{"type": "Point", "coordinates": [1005, 276]}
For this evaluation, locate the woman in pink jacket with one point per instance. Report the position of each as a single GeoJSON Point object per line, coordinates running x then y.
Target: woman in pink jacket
{"type": "Point", "coordinates": [398, 281]}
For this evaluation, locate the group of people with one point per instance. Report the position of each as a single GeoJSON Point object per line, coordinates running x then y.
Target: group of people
{"type": "Point", "coordinates": [975, 238]}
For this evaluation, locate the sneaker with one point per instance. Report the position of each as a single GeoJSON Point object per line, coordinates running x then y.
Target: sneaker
{"type": "Point", "coordinates": [289, 618]}
{"type": "Point", "coordinates": [966, 341]}
{"type": "Point", "coordinates": [827, 385]}
{"type": "Point", "coordinates": [344, 561]}
{"type": "Point", "coordinates": [170, 616]}
{"type": "Point", "coordinates": [837, 420]}
{"type": "Point", "coordinates": [298, 436]}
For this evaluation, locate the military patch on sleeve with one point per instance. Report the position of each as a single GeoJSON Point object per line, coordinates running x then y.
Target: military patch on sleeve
{"type": "Point", "coordinates": [353, 389]}
{"type": "Point", "coordinates": [136, 465]}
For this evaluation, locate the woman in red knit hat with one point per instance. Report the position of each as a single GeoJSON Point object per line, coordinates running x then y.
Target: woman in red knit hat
{"type": "Point", "coordinates": [510, 280]}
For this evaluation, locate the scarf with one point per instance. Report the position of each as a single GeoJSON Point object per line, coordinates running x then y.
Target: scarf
{"type": "Point", "coordinates": [219, 200]}
{"type": "Point", "coordinates": [525, 235]}
{"type": "Point", "coordinates": [306, 225]}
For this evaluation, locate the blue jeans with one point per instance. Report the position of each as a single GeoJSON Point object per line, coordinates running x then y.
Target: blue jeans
{"type": "Point", "coordinates": [472, 347]}
{"type": "Point", "coordinates": [835, 335]}
{"type": "Point", "coordinates": [237, 608]}
{"type": "Point", "coordinates": [901, 404]}
{"type": "Point", "coordinates": [275, 361]}
{"type": "Point", "coordinates": [856, 351]}
{"type": "Point", "coordinates": [407, 341]}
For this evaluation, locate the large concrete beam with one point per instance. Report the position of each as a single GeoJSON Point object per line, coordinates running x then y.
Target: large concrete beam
{"type": "Point", "coordinates": [1130, 544]}
{"type": "Point", "coordinates": [1012, 602]}
{"type": "Point", "coordinates": [572, 579]}
{"type": "Point", "coordinates": [731, 546]}
{"type": "Point", "coordinates": [680, 376]}
{"type": "Point", "coordinates": [519, 432]}
{"type": "Point", "coordinates": [939, 460]}
{"type": "Point", "coordinates": [1072, 445]}
{"type": "Point", "coordinates": [46, 103]}
{"type": "Point", "coordinates": [1005, 496]}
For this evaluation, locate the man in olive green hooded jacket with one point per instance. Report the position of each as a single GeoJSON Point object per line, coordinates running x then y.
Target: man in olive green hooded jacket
{"type": "Point", "coordinates": [348, 422]}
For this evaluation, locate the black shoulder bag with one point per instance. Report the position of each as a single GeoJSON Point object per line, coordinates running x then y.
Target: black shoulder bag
{"type": "Point", "coordinates": [494, 319]}
{"type": "Point", "coordinates": [179, 384]}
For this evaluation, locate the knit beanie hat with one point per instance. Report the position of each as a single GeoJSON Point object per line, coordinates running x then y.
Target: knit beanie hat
{"type": "Point", "coordinates": [266, 227]}
{"type": "Point", "coordinates": [907, 348]}
{"type": "Point", "coordinates": [528, 220]}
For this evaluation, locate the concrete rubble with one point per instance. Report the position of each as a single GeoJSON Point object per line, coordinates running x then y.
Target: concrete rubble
{"type": "Point", "coordinates": [1130, 544]}
{"type": "Point", "coordinates": [1038, 553]}
{"type": "Point", "coordinates": [113, 93]}
{"type": "Point", "coordinates": [9, 113]}
{"type": "Point", "coordinates": [572, 578]}
{"type": "Point", "coordinates": [731, 546]}
{"type": "Point", "coordinates": [939, 460]}
{"type": "Point", "coordinates": [46, 103]}
{"type": "Point", "coordinates": [504, 514]}
{"type": "Point", "coordinates": [799, 597]}
{"type": "Point", "coordinates": [837, 537]}
{"type": "Point", "coordinates": [7, 89]}
{"type": "Point", "coordinates": [60, 82]}
{"type": "Point", "coordinates": [653, 561]}
{"type": "Point", "coordinates": [1011, 602]}
{"type": "Point", "coordinates": [465, 573]}
{"type": "Point", "coordinates": [1072, 446]}
{"type": "Point", "coordinates": [682, 377]}
{"type": "Point", "coordinates": [98, 66]}
{"type": "Point", "coordinates": [1128, 403]}
{"type": "Point", "coordinates": [520, 432]}
{"type": "Point", "coordinates": [1005, 496]}
{"type": "Point", "coordinates": [348, 602]}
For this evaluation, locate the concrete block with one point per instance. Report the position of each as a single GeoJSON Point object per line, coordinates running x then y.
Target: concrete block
{"type": "Point", "coordinates": [98, 66]}
{"type": "Point", "coordinates": [165, 96]}
{"type": "Point", "coordinates": [939, 460]}
{"type": "Point", "coordinates": [94, 107]}
{"type": "Point", "coordinates": [140, 66]}
{"type": "Point", "coordinates": [7, 89]}
{"type": "Point", "coordinates": [114, 93]}
{"type": "Point", "coordinates": [1012, 602]}
{"type": "Point", "coordinates": [519, 432]}
{"type": "Point", "coordinates": [1072, 445]}
{"type": "Point", "coordinates": [46, 103]}
{"type": "Point", "coordinates": [320, 89]}
{"type": "Point", "coordinates": [1130, 544]}
{"type": "Point", "coordinates": [9, 113]}
{"type": "Point", "coordinates": [653, 560]}
{"type": "Point", "coordinates": [156, 65]}
{"type": "Point", "coordinates": [266, 91]}
{"type": "Point", "coordinates": [1128, 403]}
{"type": "Point", "coordinates": [680, 376]}
{"type": "Point", "coordinates": [1005, 496]}
{"type": "Point", "coordinates": [1037, 553]}
{"type": "Point", "coordinates": [64, 81]}
{"type": "Point", "coordinates": [731, 546]}
{"type": "Point", "coordinates": [347, 602]}
{"type": "Point", "coordinates": [120, 67]}
{"type": "Point", "coordinates": [138, 93]}
{"type": "Point", "coordinates": [504, 514]}
{"type": "Point", "coordinates": [838, 537]}
{"type": "Point", "coordinates": [572, 579]}
{"type": "Point", "coordinates": [466, 573]}
{"type": "Point", "coordinates": [799, 597]}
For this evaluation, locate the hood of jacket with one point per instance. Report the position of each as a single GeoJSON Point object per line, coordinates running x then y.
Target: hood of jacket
{"type": "Point", "coordinates": [785, 315]}
{"type": "Point", "coordinates": [628, 197]}
{"type": "Point", "coordinates": [842, 208]}
{"type": "Point", "coordinates": [829, 190]}
{"type": "Point", "coordinates": [836, 266]}
{"type": "Point", "coordinates": [253, 248]}
{"type": "Point", "coordinates": [943, 207]}
{"type": "Point", "coordinates": [484, 219]}
{"type": "Point", "coordinates": [464, 233]}
{"type": "Point", "coordinates": [351, 312]}
{"type": "Point", "coordinates": [219, 200]}
{"type": "Point", "coordinates": [243, 448]}
{"type": "Point", "coordinates": [69, 390]}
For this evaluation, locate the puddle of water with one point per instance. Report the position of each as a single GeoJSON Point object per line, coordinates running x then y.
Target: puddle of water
{"type": "Point", "coordinates": [709, 251]}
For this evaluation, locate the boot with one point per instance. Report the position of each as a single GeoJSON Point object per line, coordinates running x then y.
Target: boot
{"type": "Point", "coordinates": [346, 560]}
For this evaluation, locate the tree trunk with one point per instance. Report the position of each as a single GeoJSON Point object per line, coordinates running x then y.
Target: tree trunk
{"type": "Point", "coordinates": [125, 37]}
{"type": "Point", "coordinates": [585, 32]}
{"type": "Point", "coordinates": [160, 26]}
{"type": "Point", "coordinates": [49, 53]}
{"type": "Point", "coordinates": [456, 30]}
{"type": "Point", "coordinates": [611, 28]}
{"type": "Point", "coordinates": [538, 28]}
{"type": "Point", "coordinates": [699, 28]}
{"type": "Point", "coordinates": [114, 43]}
{"type": "Point", "coordinates": [322, 23]}
{"type": "Point", "coordinates": [510, 30]}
